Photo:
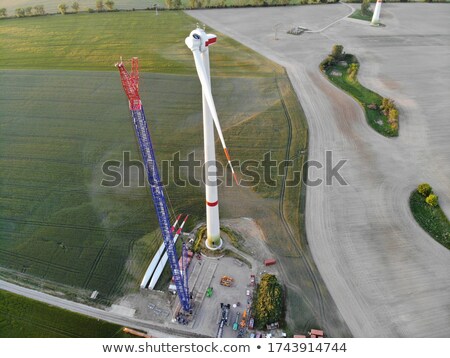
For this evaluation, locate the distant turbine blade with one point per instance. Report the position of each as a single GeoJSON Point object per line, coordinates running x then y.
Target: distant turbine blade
{"type": "Point", "coordinates": [210, 101]}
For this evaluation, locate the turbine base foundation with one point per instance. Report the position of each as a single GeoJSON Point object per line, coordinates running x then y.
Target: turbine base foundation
{"type": "Point", "coordinates": [209, 243]}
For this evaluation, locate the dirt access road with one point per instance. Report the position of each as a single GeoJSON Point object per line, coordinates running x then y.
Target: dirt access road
{"type": "Point", "coordinates": [114, 317]}
{"type": "Point", "coordinates": [386, 275]}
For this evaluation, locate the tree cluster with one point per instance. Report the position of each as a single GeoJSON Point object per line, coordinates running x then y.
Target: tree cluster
{"type": "Point", "coordinates": [173, 4]}
{"type": "Point", "coordinates": [197, 4]}
{"type": "Point", "coordinates": [389, 110]}
{"type": "Point", "coordinates": [426, 190]}
{"type": "Point", "coordinates": [99, 5]}
{"type": "Point", "coordinates": [268, 305]}
{"type": "Point", "coordinates": [337, 54]}
{"type": "Point", "coordinates": [37, 10]}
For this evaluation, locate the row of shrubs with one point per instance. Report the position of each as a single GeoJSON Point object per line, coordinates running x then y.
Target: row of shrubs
{"type": "Point", "coordinates": [197, 4]}
{"type": "Point", "coordinates": [63, 8]}
{"type": "Point", "coordinates": [101, 5]}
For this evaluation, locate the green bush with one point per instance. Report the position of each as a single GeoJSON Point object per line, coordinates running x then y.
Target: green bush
{"type": "Point", "coordinates": [328, 61]}
{"type": "Point", "coordinates": [62, 8]}
{"type": "Point", "coordinates": [337, 52]}
{"type": "Point", "coordinates": [432, 200]}
{"type": "Point", "coordinates": [352, 71]}
{"type": "Point", "coordinates": [196, 247]}
{"type": "Point", "coordinates": [424, 189]}
{"type": "Point", "coordinates": [20, 12]}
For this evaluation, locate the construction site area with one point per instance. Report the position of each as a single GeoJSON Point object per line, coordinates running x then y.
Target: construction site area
{"type": "Point", "coordinates": [223, 287]}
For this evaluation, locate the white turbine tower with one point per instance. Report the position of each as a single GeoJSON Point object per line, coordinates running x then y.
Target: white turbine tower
{"type": "Point", "coordinates": [376, 13]}
{"type": "Point", "coordinates": [198, 42]}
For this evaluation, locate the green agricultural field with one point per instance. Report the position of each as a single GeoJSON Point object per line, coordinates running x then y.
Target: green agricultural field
{"type": "Point", "coordinates": [22, 317]}
{"type": "Point", "coordinates": [96, 42]}
{"type": "Point", "coordinates": [63, 113]}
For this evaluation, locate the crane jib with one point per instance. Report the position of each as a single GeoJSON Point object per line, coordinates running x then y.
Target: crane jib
{"type": "Point", "coordinates": [130, 86]}
{"type": "Point", "coordinates": [159, 201]}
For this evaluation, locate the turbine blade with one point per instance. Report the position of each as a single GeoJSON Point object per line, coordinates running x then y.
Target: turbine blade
{"type": "Point", "coordinates": [206, 87]}
{"type": "Point", "coordinates": [172, 229]}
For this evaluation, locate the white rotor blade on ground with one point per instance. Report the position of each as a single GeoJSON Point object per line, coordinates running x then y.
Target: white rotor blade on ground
{"type": "Point", "coordinates": [162, 263]}
{"type": "Point", "coordinates": [210, 101]}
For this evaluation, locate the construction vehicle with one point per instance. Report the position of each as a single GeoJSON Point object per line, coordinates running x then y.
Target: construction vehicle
{"type": "Point", "coordinates": [244, 319]}
{"type": "Point", "coordinates": [226, 281]}
{"type": "Point", "coordinates": [130, 83]}
{"type": "Point", "coordinates": [236, 322]}
{"type": "Point", "coordinates": [251, 323]}
{"type": "Point", "coordinates": [224, 319]}
{"type": "Point", "coordinates": [209, 292]}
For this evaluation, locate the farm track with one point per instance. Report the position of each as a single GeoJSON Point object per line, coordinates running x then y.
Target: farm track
{"type": "Point", "coordinates": [155, 329]}
{"type": "Point", "coordinates": [286, 225]}
{"type": "Point", "coordinates": [119, 283]}
{"type": "Point", "coordinates": [96, 262]}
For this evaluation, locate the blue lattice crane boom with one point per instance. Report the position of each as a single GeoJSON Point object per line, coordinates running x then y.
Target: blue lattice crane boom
{"type": "Point", "coordinates": [130, 83]}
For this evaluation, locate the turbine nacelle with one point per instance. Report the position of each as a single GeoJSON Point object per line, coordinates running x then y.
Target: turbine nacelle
{"type": "Point", "coordinates": [199, 40]}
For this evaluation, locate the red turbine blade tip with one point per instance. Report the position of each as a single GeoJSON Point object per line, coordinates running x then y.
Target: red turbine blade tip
{"type": "Point", "coordinates": [225, 150]}
{"type": "Point", "coordinates": [235, 178]}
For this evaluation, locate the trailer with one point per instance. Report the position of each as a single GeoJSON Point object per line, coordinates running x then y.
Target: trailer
{"type": "Point", "coordinates": [270, 262]}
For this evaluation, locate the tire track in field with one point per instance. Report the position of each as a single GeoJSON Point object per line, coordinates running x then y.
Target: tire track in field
{"type": "Point", "coordinates": [286, 225]}
{"type": "Point", "coordinates": [119, 283]}
{"type": "Point", "coordinates": [77, 227]}
{"type": "Point", "coordinates": [96, 262]}
{"type": "Point", "coordinates": [39, 261]}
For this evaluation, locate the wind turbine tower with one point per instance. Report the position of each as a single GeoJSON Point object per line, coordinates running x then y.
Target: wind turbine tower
{"type": "Point", "coordinates": [376, 14]}
{"type": "Point", "coordinates": [198, 42]}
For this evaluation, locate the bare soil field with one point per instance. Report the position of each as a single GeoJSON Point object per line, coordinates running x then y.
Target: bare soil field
{"type": "Point", "coordinates": [386, 275]}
